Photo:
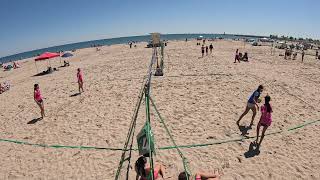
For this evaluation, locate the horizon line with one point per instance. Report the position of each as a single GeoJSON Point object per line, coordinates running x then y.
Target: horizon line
{"type": "Point", "coordinates": [116, 37]}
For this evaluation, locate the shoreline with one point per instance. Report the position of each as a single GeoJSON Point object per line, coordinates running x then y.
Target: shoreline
{"type": "Point", "coordinates": [145, 38]}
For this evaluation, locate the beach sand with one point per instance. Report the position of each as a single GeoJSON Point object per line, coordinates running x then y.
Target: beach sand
{"type": "Point", "coordinates": [199, 98]}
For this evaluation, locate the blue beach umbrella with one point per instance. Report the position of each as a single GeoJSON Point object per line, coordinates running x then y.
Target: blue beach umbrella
{"type": "Point", "coordinates": [67, 55]}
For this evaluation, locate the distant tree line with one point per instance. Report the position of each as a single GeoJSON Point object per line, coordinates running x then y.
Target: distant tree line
{"type": "Point", "coordinates": [290, 38]}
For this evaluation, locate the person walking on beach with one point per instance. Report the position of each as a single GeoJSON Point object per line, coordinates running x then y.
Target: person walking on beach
{"type": "Point", "coordinates": [207, 50]}
{"type": "Point", "coordinates": [317, 54]}
{"type": "Point", "coordinates": [80, 80]}
{"type": "Point", "coordinates": [265, 119]}
{"type": "Point", "coordinates": [302, 55]}
{"type": "Point", "coordinates": [237, 58]}
{"type": "Point", "coordinates": [252, 104]}
{"type": "Point", "coordinates": [202, 50]}
{"type": "Point", "coordinates": [211, 48]}
{"type": "Point", "coordinates": [38, 99]}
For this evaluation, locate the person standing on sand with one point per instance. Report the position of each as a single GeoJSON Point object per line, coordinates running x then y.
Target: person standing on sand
{"type": "Point", "coordinates": [38, 99]}
{"type": "Point", "coordinates": [207, 50]}
{"type": "Point", "coordinates": [302, 55]}
{"type": "Point", "coordinates": [211, 48]}
{"type": "Point", "coordinates": [80, 80]}
{"type": "Point", "coordinates": [265, 119]}
{"type": "Point", "coordinates": [252, 104]}
{"type": "Point", "coordinates": [285, 53]}
{"type": "Point", "coordinates": [202, 50]}
{"type": "Point", "coordinates": [317, 54]}
{"type": "Point", "coordinates": [236, 58]}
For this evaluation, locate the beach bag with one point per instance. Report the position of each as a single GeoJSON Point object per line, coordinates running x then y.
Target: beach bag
{"type": "Point", "coordinates": [143, 140]}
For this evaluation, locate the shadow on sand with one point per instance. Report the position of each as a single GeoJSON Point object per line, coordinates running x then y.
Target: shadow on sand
{"type": "Point", "coordinates": [33, 121]}
{"type": "Point", "coordinates": [244, 130]}
{"type": "Point", "coordinates": [252, 151]}
{"type": "Point", "coordinates": [76, 94]}
{"type": "Point", "coordinates": [42, 74]}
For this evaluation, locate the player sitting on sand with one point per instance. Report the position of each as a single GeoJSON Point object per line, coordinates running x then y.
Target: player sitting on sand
{"type": "Point", "coordinates": [252, 104]}
{"type": "Point", "coordinates": [144, 172]}
{"type": "Point", "coordinates": [200, 176]}
{"type": "Point", "coordinates": [265, 119]}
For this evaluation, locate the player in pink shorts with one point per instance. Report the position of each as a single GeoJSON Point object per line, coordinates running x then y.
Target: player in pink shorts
{"type": "Point", "coordinates": [265, 119]}
{"type": "Point", "coordinates": [200, 176]}
{"type": "Point", "coordinates": [80, 80]}
{"type": "Point", "coordinates": [38, 99]}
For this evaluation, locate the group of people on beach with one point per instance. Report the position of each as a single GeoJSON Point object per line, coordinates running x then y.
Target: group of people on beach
{"type": "Point", "coordinates": [141, 166]}
{"type": "Point", "coordinates": [266, 111]}
{"type": "Point", "coordinates": [288, 53]}
{"type": "Point", "coordinates": [10, 66]}
{"type": "Point", "coordinates": [131, 43]}
{"type": "Point", "coordinates": [239, 57]}
{"type": "Point", "coordinates": [206, 49]}
{"type": "Point", "coordinates": [39, 99]}
{"type": "Point", "coordinates": [144, 172]}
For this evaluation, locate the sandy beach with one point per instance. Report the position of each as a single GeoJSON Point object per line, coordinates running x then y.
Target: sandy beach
{"type": "Point", "coordinates": [200, 98]}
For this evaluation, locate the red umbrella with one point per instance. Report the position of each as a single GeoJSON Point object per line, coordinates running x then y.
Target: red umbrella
{"type": "Point", "coordinates": [47, 55]}
{"type": "Point", "coordinates": [44, 56]}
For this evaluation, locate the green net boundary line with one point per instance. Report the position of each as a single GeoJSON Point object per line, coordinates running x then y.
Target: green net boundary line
{"type": "Point", "coordinates": [184, 159]}
{"type": "Point", "coordinates": [161, 148]}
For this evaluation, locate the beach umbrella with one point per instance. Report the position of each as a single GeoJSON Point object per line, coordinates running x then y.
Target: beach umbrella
{"type": "Point", "coordinates": [45, 56]}
{"type": "Point", "coordinates": [65, 55]}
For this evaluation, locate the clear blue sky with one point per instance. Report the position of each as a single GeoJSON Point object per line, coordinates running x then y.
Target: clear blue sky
{"type": "Point", "coordinates": [33, 24]}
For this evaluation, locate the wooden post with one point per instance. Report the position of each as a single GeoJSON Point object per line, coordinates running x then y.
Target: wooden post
{"type": "Point", "coordinates": [35, 62]}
